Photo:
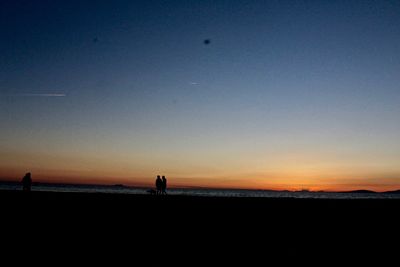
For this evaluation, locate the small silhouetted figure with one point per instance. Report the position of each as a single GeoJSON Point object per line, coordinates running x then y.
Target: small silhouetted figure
{"type": "Point", "coordinates": [159, 185]}
{"type": "Point", "coordinates": [207, 41]}
{"type": "Point", "coordinates": [164, 186]}
{"type": "Point", "coordinates": [27, 182]}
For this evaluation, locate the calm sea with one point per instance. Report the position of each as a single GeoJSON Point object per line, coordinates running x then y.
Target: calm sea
{"type": "Point", "coordinates": [200, 192]}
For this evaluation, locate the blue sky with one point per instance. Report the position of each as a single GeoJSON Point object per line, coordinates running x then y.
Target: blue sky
{"type": "Point", "coordinates": [303, 90]}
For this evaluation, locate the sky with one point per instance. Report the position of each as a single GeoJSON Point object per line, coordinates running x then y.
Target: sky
{"type": "Point", "coordinates": [285, 95]}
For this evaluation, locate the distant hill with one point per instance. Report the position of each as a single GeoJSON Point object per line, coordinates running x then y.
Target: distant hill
{"type": "Point", "coordinates": [373, 192]}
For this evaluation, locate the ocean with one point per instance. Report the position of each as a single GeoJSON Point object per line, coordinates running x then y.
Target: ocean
{"type": "Point", "coordinates": [203, 192]}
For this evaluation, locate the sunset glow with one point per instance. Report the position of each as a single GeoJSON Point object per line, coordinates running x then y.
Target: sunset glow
{"type": "Point", "coordinates": [282, 96]}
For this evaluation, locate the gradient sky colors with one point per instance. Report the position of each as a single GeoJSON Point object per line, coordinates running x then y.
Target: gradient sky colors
{"type": "Point", "coordinates": [287, 95]}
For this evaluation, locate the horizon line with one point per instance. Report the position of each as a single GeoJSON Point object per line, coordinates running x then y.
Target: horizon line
{"type": "Point", "coordinates": [204, 187]}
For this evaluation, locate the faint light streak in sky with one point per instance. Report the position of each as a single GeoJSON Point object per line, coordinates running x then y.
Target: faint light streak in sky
{"type": "Point", "coordinates": [40, 95]}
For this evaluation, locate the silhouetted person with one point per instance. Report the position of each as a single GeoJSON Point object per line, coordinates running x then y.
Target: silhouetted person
{"type": "Point", "coordinates": [164, 186]}
{"type": "Point", "coordinates": [158, 185]}
{"type": "Point", "coordinates": [27, 182]}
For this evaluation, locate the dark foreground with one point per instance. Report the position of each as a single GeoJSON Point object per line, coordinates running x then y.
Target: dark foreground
{"type": "Point", "coordinates": [181, 222]}
{"type": "Point", "coordinates": [126, 209]}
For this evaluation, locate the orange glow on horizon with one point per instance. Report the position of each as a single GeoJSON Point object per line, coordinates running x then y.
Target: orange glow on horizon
{"type": "Point", "coordinates": [289, 173]}
{"type": "Point", "coordinates": [217, 182]}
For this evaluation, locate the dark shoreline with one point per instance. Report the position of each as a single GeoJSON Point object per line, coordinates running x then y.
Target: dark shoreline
{"type": "Point", "coordinates": [206, 205]}
{"type": "Point", "coordinates": [123, 212]}
{"type": "Point", "coordinates": [104, 220]}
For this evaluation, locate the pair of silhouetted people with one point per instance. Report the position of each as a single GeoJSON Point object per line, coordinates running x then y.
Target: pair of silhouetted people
{"type": "Point", "coordinates": [27, 182]}
{"type": "Point", "coordinates": [161, 185]}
